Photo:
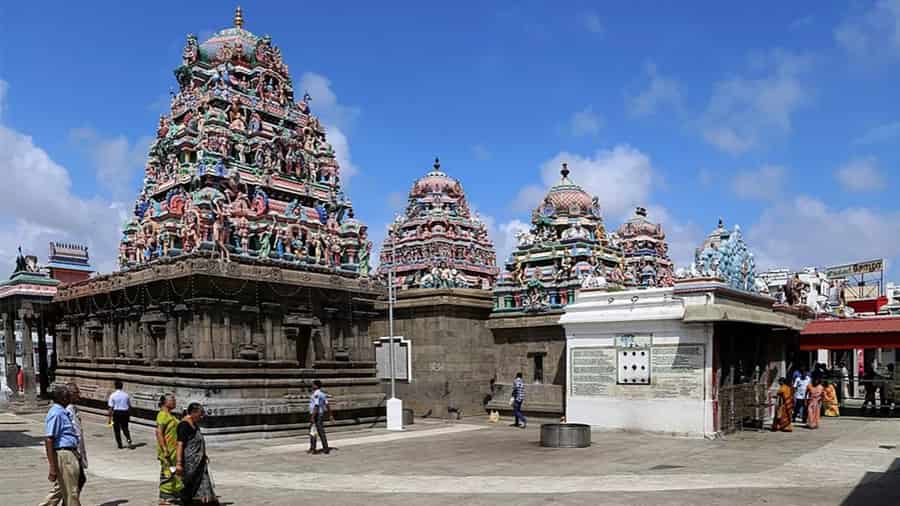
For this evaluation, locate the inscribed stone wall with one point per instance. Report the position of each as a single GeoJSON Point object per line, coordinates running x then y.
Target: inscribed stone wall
{"type": "Point", "coordinates": [677, 373]}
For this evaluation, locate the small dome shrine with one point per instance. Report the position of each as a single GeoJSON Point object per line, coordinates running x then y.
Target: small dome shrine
{"type": "Point", "coordinates": [725, 255]}
{"type": "Point", "coordinates": [565, 249]}
{"type": "Point", "coordinates": [242, 171]}
{"type": "Point", "coordinates": [646, 251]}
{"type": "Point", "coordinates": [437, 242]}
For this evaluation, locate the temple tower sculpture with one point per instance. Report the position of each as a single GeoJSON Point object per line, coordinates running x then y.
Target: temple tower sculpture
{"type": "Point", "coordinates": [437, 242]}
{"type": "Point", "coordinates": [242, 168]}
{"type": "Point", "coordinates": [643, 242]}
{"type": "Point", "coordinates": [243, 268]}
{"type": "Point", "coordinates": [566, 248]}
{"type": "Point", "coordinates": [725, 256]}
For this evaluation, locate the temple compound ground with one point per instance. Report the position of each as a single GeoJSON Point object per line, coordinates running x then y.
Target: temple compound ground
{"type": "Point", "coordinates": [848, 461]}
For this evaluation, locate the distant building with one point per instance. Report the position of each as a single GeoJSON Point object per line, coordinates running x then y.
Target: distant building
{"type": "Point", "coordinates": [69, 263]}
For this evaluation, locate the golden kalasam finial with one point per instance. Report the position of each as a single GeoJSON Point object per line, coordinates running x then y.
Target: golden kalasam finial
{"type": "Point", "coordinates": [238, 17]}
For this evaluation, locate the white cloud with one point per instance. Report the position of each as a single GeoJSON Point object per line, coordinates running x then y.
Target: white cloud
{"type": "Point", "coordinates": [661, 92]}
{"type": "Point", "coordinates": [765, 183]}
{"type": "Point", "coordinates": [872, 35]}
{"type": "Point", "coordinates": [592, 23]}
{"type": "Point", "coordinates": [397, 201]}
{"type": "Point", "coordinates": [337, 118]}
{"type": "Point", "coordinates": [881, 133]}
{"type": "Point", "coordinates": [585, 122]}
{"type": "Point", "coordinates": [745, 110]}
{"type": "Point", "coordinates": [805, 232]}
{"type": "Point", "coordinates": [117, 162]}
{"type": "Point", "coordinates": [481, 152]}
{"type": "Point", "coordinates": [621, 178]}
{"type": "Point", "coordinates": [860, 174]}
{"type": "Point", "coordinates": [36, 194]}
{"type": "Point", "coordinates": [504, 237]}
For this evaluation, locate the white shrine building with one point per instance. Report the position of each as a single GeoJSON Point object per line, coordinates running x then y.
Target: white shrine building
{"type": "Point", "coordinates": [694, 360]}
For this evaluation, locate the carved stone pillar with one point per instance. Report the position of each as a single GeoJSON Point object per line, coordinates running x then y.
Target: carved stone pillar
{"type": "Point", "coordinates": [153, 323]}
{"type": "Point", "coordinates": [43, 365]}
{"type": "Point", "coordinates": [248, 350]}
{"type": "Point", "coordinates": [275, 340]}
{"type": "Point", "coordinates": [9, 335]}
{"type": "Point", "coordinates": [203, 332]}
{"type": "Point", "coordinates": [224, 339]}
{"type": "Point", "coordinates": [28, 352]}
{"type": "Point", "coordinates": [184, 345]}
{"type": "Point", "coordinates": [94, 338]}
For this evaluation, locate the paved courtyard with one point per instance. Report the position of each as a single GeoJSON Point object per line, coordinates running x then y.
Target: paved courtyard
{"type": "Point", "coordinates": [849, 461]}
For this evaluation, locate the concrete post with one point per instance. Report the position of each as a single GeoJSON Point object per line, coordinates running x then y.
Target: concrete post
{"type": "Point", "coordinates": [9, 332]}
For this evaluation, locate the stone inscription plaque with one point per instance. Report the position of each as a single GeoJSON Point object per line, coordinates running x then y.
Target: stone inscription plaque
{"type": "Point", "coordinates": [678, 371]}
{"type": "Point", "coordinates": [593, 371]}
{"type": "Point", "coordinates": [401, 358]}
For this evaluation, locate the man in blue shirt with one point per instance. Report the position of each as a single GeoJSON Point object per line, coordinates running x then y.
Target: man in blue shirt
{"type": "Point", "coordinates": [518, 397]}
{"type": "Point", "coordinates": [318, 406]}
{"type": "Point", "coordinates": [61, 444]}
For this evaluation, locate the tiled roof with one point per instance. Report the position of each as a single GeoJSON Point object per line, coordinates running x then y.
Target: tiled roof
{"type": "Point", "coordinates": [873, 325]}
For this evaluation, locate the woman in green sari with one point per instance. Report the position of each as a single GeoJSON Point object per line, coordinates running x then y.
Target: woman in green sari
{"type": "Point", "coordinates": [166, 444]}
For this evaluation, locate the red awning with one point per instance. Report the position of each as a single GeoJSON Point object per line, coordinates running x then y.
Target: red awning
{"type": "Point", "coordinates": [851, 333]}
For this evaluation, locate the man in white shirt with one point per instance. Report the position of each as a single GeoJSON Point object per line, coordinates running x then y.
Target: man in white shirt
{"type": "Point", "coordinates": [119, 413]}
{"type": "Point", "coordinates": [801, 383]}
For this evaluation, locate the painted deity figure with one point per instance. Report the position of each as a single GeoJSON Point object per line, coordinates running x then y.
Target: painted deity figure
{"type": "Point", "coordinates": [191, 50]}
{"type": "Point", "coordinates": [220, 236]}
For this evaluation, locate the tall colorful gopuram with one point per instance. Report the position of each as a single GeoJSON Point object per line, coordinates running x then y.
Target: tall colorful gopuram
{"type": "Point", "coordinates": [566, 248]}
{"type": "Point", "coordinates": [438, 242]}
{"type": "Point", "coordinates": [643, 242]}
{"type": "Point", "coordinates": [244, 273]}
{"type": "Point", "coordinates": [241, 169]}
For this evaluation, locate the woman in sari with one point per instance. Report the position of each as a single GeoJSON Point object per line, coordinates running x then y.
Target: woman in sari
{"type": "Point", "coordinates": [166, 452]}
{"type": "Point", "coordinates": [814, 393]}
{"type": "Point", "coordinates": [784, 413]}
{"type": "Point", "coordinates": [192, 460]}
{"type": "Point", "coordinates": [831, 400]}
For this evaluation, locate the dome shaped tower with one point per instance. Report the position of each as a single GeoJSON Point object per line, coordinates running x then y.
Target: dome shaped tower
{"type": "Point", "coordinates": [437, 242]}
{"type": "Point", "coordinates": [567, 247]}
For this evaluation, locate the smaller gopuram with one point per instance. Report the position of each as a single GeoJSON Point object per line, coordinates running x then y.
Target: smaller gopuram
{"type": "Point", "coordinates": [567, 246]}
{"type": "Point", "coordinates": [68, 263]}
{"type": "Point", "coordinates": [724, 256]}
{"type": "Point", "coordinates": [643, 242]}
{"type": "Point", "coordinates": [244, 273]}
{"type": "Point", "coordinates": [566, 249]}
{"type": "Point", "coordinates": [437, 242]}
{"type": "Point", "coordinates": [444, 266]}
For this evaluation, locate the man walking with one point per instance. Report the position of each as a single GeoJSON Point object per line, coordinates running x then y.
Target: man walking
{"type": "Point", "coordinates": [75, 416]}
{"type": "Point", "coordinates": [119, 407]}
{"type": "Point", "coordinates": [61, 444]}
{"type": "Point", "coordinates": [518, 397]}
{"type": "Point", "coordinates": [318, 406]}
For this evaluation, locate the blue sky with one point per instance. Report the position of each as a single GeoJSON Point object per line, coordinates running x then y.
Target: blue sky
{"type": "Point", "coordinates": [779, 116]}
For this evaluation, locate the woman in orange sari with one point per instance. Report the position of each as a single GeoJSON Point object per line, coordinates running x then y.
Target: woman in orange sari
{"type": "Point", "coordinates": [784, 411]}
{"type": "Point", "coordinates": [814, 393]}
{"type": "Point", "coordinates": [830, 400]}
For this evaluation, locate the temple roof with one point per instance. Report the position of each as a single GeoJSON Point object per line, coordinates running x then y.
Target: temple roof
{"type": "Point", "coordinates": [567, 197]}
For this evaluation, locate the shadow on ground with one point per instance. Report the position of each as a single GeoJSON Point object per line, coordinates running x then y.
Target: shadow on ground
{"type": "Point", "coordinates": [18, 439]}
{"type": "Point", "coordinates": [877, 488]}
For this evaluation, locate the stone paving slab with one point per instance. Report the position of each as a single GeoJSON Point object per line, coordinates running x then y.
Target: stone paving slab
{"type": "Point", "coordinates": [472, 462]}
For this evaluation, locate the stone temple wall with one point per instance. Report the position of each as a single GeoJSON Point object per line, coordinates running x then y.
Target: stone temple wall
{"type": "Point", "coordinates": [245, 340]}
{"type": "Point", "coordinates": [453, 356]}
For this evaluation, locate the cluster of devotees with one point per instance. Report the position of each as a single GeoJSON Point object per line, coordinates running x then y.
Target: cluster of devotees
{"type": "Point", "coordinates": [184, 477]}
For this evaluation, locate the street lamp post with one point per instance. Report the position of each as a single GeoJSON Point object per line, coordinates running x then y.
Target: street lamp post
{"type": "Point", "coordinates": [394, 405]}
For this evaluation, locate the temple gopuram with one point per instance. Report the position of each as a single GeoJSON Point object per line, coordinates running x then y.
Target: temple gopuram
{"type": "Point", "coordinates": [244, 274]}
{"type": "Point", "coordinates": [566, 248]}
{"type": "Point", "coordinates": [437, 242]}
{"type": "Point", "coordinates": [725, 256]}
{"type": "Point", "coordinates": [643, 242]}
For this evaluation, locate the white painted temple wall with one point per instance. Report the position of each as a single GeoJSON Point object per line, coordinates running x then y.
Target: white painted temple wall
{"type": "Point", "coordinates": [678, 398]}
